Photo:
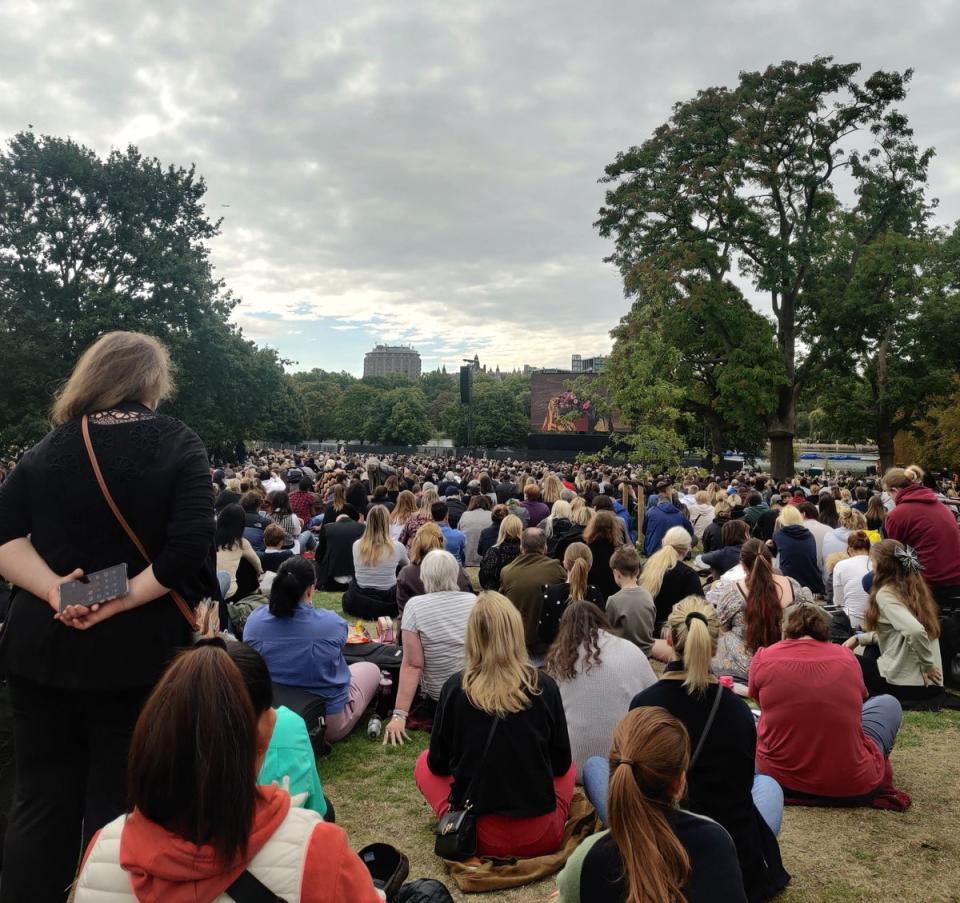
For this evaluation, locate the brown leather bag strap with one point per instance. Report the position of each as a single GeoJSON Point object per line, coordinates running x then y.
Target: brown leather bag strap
{"type": "Point", "coordinates": [185, 609]}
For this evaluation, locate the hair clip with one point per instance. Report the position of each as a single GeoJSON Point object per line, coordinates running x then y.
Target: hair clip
{"type": "Point", "coordinates": [908, 560]}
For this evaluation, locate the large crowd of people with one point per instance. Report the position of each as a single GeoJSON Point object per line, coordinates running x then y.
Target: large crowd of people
{"type": "Point", "coordinates": [554, 625]}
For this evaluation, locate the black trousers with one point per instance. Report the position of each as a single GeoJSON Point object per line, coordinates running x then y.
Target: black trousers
{"type": "Point", "coordinates": [71, 759]}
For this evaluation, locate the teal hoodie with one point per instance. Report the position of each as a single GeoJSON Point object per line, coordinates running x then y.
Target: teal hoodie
{"type": "Point", "coordinates": [290, 755]}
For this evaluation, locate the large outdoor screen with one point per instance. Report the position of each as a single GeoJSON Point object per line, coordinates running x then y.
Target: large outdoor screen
{"type": "Point", "coordinates": [554, 408]}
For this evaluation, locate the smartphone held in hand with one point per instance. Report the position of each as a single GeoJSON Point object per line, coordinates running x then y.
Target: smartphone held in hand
{"type": "Point", "coordinates": [92, 589]}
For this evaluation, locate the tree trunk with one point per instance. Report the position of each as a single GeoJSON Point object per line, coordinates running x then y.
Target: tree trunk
{"type": "Point", "coordinates": [781, 431]}
{"type": "Point", "coordinates": [885, 448]}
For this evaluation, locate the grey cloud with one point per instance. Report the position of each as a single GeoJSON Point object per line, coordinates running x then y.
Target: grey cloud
{"type": "Point", "coordinates": [431, 165]}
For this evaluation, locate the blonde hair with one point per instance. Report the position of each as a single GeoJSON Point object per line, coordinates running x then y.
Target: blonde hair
{"type": "Point", "coordinates": [511, 527]}
{"type": "Point", "coordinates": [375, 543]}
{"type": "Point", "coordinates": [789, 516]}
{"type": "Point", "coordinates": [427, 501]}
{"type": "Point", "coordinates": [578, 559]}
{"type": "Point", "coordinates": [852, 519]}
{"type": "Point", "coordinates": [552, 487]}
{"type": "Point", "coordinates": [703, 497]}
{"type": "Point", "coordinates": [120, 366]}
{"type": "Point", "coordinates": [405, 507]}
{"type": "Point", "coordinates": [693, 640]}
{"type": "Point", "coordinates": [497, 676]}
{"type": "Point", "coordinates": [676, 545]}
{"type": "Point", "coordinates": [560, 509]}
{"type": "Point", "coordinates": [427, 539]}
{"type": "Point", "coordinates": [580, 514]}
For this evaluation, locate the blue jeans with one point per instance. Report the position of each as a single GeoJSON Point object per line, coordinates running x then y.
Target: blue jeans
{"type": "Point", "coordinates": [224, 580]}
{"type": "Point", "coordinates": [767, 795]}
{"type": "Point", "coordinates": [308, 541]}
{"type": "Point", "coordinates": [881, 719]}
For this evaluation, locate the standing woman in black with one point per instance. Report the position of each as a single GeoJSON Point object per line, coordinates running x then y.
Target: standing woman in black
{"type": "Point", "coordinates": [77, 681]}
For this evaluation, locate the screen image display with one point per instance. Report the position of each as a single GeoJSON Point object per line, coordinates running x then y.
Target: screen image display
{"type": "Point", "coordinates": [554, 408]}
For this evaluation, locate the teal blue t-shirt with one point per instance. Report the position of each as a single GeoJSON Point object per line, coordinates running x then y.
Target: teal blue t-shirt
{"type": "Point", "coordinates": [290, 755]}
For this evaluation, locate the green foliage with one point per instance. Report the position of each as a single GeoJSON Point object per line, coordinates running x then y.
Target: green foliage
{"type": "Point", "coordinates": [743, 179]}
{"type": "Point", "coordinates": [499, 420]}
{"type": "Point", "coordinates": [321, 393]}
{"type": "Point", "coordinates": [887, 375]}
{"type": "Point", "coordinates": [91, 244]}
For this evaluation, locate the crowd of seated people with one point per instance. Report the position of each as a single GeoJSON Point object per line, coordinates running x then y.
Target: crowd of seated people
{"type": "Point", "coordinates": [552, 669]}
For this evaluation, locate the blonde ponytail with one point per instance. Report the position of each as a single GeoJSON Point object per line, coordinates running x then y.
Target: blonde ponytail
{"type": "Point", "coordinates": [695, 631]}
{"type": "Point", "coordinates": [578, 559]}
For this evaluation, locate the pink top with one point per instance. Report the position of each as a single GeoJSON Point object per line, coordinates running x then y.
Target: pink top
{"type": "Point", "coordinates": [810, 736]}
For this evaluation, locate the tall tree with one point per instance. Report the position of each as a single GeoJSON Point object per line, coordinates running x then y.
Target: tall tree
{"type": "Point", "coordinates": [321, 392]}
{"type": "Point", "coordinates": [91, 244]}
{"type": "Point", "coordinates": [884, 375]}
{"type": "Point", "coordinates": [746, 178]}
{"type": "Point", "coordinates": [499, 420]}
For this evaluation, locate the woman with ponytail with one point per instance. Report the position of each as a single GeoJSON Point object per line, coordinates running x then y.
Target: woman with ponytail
{"type": "Point", "coordinates": [577, 562]}
{"type": "Point", "coordinates": [197, 818]}
{"type": "Point", "coordinates": [303, 647]}
{"type": "Point", "coordinates": [655, 851]}
{"type": "Point", "coordinates": [721, 781]}
{"type": "Point", "coordinates": [598, 674]}
{"type": "Point", "coordinates": [750, 611]}
{"type": "Point", "coordinates": [666, 577]}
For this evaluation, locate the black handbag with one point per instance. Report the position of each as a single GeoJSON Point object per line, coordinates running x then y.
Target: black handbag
{"type": "Point", "coordinates": [457, 829]}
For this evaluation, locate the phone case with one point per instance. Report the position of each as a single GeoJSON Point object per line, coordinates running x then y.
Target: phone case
{"type": "Point", "coordinates": [100, 586]}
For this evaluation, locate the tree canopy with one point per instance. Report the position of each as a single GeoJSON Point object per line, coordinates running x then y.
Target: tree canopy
{"type": "Point", "coordinates": [89, 244]}
{"type": "Point", "coordinates": [742, 182]}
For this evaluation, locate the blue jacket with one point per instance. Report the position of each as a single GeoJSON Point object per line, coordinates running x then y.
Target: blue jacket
{"type": "Point", "coordinates": [304, 650]}
{"type": "Point", "coordinates": [454, 542]}
{"type": "Point", "coordinates": [657, 521]}
{"type": "Point", "coordinates": [624, 515]}
{"type": "Point", "coordinates": [797, 551]}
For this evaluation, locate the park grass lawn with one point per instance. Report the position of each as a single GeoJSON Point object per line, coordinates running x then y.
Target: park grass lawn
{"type": "Point", "coordinates": [832, 854]}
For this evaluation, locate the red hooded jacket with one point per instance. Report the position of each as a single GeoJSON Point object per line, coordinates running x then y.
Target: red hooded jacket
{"type": "Point", "coordinates": [921, 520]}
{"type": "Point", "coordinates": [165, 868]}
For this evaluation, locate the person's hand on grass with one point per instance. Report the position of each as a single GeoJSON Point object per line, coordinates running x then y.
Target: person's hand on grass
{"type": "Point", "coordinates": [395, 733]}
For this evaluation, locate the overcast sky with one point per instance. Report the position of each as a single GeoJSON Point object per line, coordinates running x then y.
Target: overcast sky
{"type": "Point", "coordinates": [426, 172]}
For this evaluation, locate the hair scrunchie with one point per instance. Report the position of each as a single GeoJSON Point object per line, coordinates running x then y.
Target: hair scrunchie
{"type": "Point", "coordinates": [695, 615]}
{"type": "Point", "coordinates": [908, 560]}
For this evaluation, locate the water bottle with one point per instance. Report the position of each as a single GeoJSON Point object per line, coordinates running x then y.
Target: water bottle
{"type": "Point", "coordinates": [374, 727]}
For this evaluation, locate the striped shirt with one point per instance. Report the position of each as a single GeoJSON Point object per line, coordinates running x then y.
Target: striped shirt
{"type": "Point", "coordinates": [441, 620]}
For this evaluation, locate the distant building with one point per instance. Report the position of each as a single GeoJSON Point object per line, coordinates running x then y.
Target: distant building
{"type": "Point", "coordinates": [580, 364]}
{"type": "Point", "coordinates": [385, 360]}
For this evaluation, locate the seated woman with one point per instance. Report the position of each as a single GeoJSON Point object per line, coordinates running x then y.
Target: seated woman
{"type": "Point", "coordinates": [280, 512]}
{"type": "Point", "coordinates": [500, 555]}
{"type": "Point", "coordinates": [733, 535]}
{"type": "Point", "coordinates": [819, 734]}
{"type": "Point", "coordinates": [472, 523]}
{"type": "Point", "coordinates": [655, 850]}
{"type": "Point", "coordinates": [721, 781]}
{"type": "Point", "coordinates": [666, 577]}
{"type": "Point", "coordinates": [339, 505]}
{"type": "Point", "coordinates": [558, 523]}
{"type": "Point", "coordinates": [796, 550]}
{"type": "Point", "coordinates": [423, 515]}
{"type": "Point", "coordinates": [750, 611]}
{"type": "Point", "coordinates": [598, 674]}
{"type": "Point", "coordinates": [274, 554]}
{"type": "Point", "coordinates": [290, 761]}
{"type": "Point", "coordinates": [901, 655]}
{"type": "Point", "coordinates": [409, 582]}
{"type": "Point", "coordinates": [848, 574]}
{"type": "Point", "coordinates": [433, 628]}
{"type": "Point", "coordinates": [489, 535]}
{"type": "Point", "coordinates": [835, 541]}
{"type": "Point", "coordinates": [194, 827]}
{"type": "Point", "coordinates": [876, 513]}
{"type": "Point", "coordinates": [577, 562]}
{"type": "Point", "coordinates": [604, 535]}
{"type": "Point", "coordinates": [232, 548]}
{"type": "Point", "coordinates": [580, 515]}
{"type": "Point", "coordinates": [303, 647]}
{"type": "Point", "coordinates": [523, 786]}
{"type": "Point", "coordinates": [403, 510]}
{"type": "Point", "coordinates": [372, 593]}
